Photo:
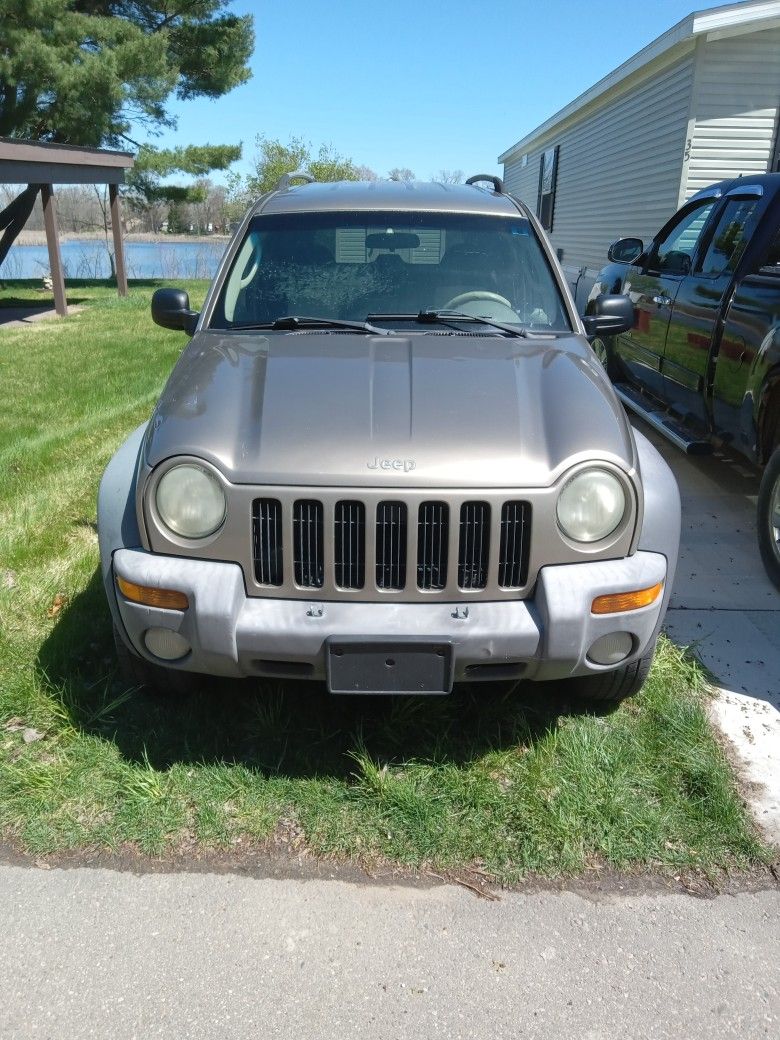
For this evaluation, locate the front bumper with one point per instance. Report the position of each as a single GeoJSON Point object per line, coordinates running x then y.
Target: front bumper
{"type": "Point", "coordinates": [544, 637]}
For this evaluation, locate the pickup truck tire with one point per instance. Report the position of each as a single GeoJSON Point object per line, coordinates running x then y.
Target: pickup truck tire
{"type": "Point", "coordinates": [156, 678]}
{"type": "Point", "coordinates": [768, 518]}
{"type": "Point", "coordinates": [613, 687]}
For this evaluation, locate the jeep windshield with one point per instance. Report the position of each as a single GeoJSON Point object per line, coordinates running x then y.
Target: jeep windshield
{"type": "Point", "coordinates": [389, 268]}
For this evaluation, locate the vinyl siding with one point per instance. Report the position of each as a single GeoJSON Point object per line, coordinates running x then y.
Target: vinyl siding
{"type": "Point", "coordinates": [619, 168]}
{"type": "Point", "coordinates": [735, 107]}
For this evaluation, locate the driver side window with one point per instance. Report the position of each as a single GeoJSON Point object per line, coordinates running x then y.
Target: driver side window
{"type": "Point", "coordinates": [673, 252]}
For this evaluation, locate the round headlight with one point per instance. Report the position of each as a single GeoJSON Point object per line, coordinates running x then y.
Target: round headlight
{"type": "Point", "coordinates": [591, 505]}
{"type": "Point", "coordinates": [190, 501]}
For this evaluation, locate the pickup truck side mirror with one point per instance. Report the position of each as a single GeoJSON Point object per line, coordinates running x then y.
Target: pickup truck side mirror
{"type": "Point", "coordinates": [626, 250]}
{"type": "Point", "coordinates": [609, 316]}
{"type": "Point", "coordinates": [171, 309]}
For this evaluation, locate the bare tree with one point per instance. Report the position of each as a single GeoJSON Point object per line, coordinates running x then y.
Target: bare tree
{"type": "Point", "coordinates": [365, 173]}
{"type": "Point", "coordinates": [448, 177]}
{"type": "Point", "coordinates": [401, 173]}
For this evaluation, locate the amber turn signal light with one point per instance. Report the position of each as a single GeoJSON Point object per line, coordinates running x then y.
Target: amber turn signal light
{"type": "Point", "coordinates": [617, 602]}
{"type": "Point", "coordinates": [150, 597]}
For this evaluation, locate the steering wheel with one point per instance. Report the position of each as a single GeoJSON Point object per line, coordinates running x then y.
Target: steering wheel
{"type": "Point", "coordinates": [476, 294]}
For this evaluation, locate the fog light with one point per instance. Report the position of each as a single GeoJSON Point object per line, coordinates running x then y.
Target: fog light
{"type": "Point", "coordinates": [612, 648]}
{"type": "Point", "coordinates": [165, 644]}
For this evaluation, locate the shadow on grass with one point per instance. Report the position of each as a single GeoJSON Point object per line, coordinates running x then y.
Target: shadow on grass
{"type": "Point", "coordinates": [289, 728]}
{"type": "Point", "coordinates": [46, 302]}
{"type": "Point", "coordinates": [34, 284]}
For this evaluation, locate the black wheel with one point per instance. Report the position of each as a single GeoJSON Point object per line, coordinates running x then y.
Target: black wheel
{"type": "Point", "coordinates": [153, 676]}
{"type": "Point", "coordinates": [769, 517]}
{"type": "Point", "coordinates": [613, 687]}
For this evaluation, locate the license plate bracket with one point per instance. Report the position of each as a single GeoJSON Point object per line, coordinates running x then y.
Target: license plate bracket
{"type": "Point", "coordinates": [387, 666]}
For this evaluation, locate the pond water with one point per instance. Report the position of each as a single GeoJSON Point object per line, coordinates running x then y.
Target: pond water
{"type": "Point", "coordinates": [88, 258]}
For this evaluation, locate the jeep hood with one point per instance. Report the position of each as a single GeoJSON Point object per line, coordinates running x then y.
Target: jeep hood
{"type": "Point", "coordinates": [419, 410]}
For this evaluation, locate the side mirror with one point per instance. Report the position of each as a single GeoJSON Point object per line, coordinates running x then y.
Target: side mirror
{"type": "Point", "coordinates": [610, 315]}
{"type": "Point", "coordinates": [171, 309]}
{"type": "Point", "coordinates": [626, 250]}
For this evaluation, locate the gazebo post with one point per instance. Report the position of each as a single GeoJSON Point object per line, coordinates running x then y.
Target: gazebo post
{"type": "Point", "coordinates": [119, 245]}
{"type": "Point", "coordinates": [53, 242]}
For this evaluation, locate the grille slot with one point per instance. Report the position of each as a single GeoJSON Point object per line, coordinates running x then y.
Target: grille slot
{"type": "Point", "coordinates": [307, 543]}
{"type": "Point", "coordinates": [474, 545]}
{"type": "Point", "coordinates": [432, 535]}
{"type": "Point", "coordinates": [267, 540]}
{"type": "Point", "coordinates": [515, 545]}
{"type": "Point", "coordinates": [349, 536]}
{"type": "Point", "coordinates": [391, 545]}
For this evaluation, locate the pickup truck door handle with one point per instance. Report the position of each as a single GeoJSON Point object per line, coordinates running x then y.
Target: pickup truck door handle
{"type": "Point", "coordinates": [662, 301]}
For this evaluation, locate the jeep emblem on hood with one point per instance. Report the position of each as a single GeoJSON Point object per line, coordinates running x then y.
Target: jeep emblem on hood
{"type": "Point", "coordinates": [407, 465]}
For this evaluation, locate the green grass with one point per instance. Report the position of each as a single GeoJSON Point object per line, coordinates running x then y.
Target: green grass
{"type": "Point", "coordinates": [507, 782]}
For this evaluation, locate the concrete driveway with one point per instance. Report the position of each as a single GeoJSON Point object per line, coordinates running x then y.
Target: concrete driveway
{"type": "Point", "coordinates": [725, 607]}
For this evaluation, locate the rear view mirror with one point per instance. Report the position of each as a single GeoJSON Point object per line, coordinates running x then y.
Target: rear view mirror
{"type": "Point", "coordinates": [626, 250]}
{"type": "Point", "coordinates": [610, 315]}
{"type": "Point", "coordinates": [171, 309]}
{"type": "Point", "coordinates": [392, 240]}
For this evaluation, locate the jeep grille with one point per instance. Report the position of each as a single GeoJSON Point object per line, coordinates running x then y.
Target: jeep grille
{"type": "Point", "coordinates": [391, 545]}
{"type": "Point", "coordinates": [267, 539]}
{"type": "Point", "coordinates": [330, 545]}
{"type": "Point", "coordinates": [473, 545]}
{"type": "Point", "coordinates": [432, 534]}
{"type": "Point", "coordinates": [308, 552]}
{"type": "Point", "coordinates": [513, 553]}
{"type": "Point", "coordinates": [349, 544]}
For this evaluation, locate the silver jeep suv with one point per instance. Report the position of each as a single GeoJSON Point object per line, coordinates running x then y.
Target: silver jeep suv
{"type": "Point", "coordinates": [389, 459]}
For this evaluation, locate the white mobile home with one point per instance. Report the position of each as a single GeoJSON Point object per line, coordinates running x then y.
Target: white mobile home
{"type": "Point", "coordinates": [697, 105]}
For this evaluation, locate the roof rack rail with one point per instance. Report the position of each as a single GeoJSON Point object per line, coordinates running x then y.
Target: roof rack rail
{"type": "Point", "coordinates": [498, 184]}
{"type": "Point", "coordinates": [299, 175]}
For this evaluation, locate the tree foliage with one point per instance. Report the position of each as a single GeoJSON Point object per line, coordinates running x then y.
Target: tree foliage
{"type": "Point", "coordinates": [275, 159]}
{"type": "Point", "coordinates": [146, 179]}
{"type": "Point", "coordinates": [86, 71]}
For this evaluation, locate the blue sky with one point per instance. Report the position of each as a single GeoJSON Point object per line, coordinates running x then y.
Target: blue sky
{"type": "Point", "coordinates": [428, 85]}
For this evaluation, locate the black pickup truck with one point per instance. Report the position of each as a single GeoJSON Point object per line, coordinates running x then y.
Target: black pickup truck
{"type": "Point", "coordinates": [702, 361]}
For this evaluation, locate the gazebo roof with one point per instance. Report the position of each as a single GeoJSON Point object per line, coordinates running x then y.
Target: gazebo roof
{"type": "Point", "coordinates": [41, 166]}
{"type": "Point", "coordinates": [35, 162]}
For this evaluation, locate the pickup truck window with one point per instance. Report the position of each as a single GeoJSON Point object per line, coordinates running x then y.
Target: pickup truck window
{"type": "Point", "coordinates": [769, 263]}
{"type": "Point", "coordinates": [673, 252]}
{"type": "Point", "coordinates": [730, 237]}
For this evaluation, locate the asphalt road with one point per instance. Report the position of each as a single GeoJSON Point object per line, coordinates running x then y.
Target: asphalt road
{"type": "Point", "coordinates": [97, 953]}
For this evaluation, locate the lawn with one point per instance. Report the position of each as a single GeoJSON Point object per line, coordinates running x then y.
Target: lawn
{"type": "Point", "coordinates": [506, 782]}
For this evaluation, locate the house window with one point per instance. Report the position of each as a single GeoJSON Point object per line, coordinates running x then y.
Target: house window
{"type": "Point", "coordinates": [548, 175]}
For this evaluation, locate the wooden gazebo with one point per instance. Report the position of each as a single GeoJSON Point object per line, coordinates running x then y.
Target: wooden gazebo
{"type": "Point", "coordinates": [41, 166]}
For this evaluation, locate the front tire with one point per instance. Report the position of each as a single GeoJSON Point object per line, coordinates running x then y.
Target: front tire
{"type": "Point", "coordinates": [768, 518]}
{"type": "Point", "coordinates": [615, 686]}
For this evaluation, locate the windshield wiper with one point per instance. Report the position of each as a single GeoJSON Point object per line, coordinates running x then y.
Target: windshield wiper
{"type": "Point", "coordinates": [444, 317]}
{"type": "Point", "coordinates": [292, 322]}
